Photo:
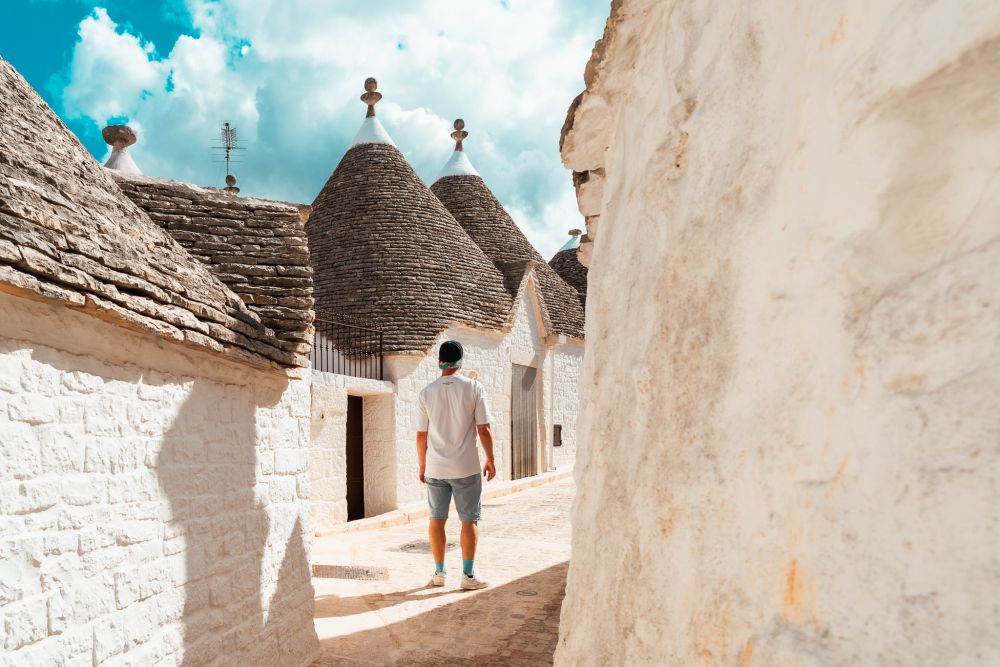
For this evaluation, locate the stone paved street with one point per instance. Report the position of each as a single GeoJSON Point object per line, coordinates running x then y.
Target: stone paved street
{"type": "Point", "coordinates": [523, 552]}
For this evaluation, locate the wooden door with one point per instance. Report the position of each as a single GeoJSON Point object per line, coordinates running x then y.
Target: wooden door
{"type": "Point", "coordinates": [523, 422]}
{"type": "Point", "coordinates": [355, 458]}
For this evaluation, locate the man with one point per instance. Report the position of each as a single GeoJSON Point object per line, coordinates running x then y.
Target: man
{"type": "Point", "coordinates": [452, 409]}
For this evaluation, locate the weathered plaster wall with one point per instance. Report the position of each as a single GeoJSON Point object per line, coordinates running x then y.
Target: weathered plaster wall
{"type": "Point", "coordinates": [793, 369]}
{"type": "Point", "coordinates": [152, 499]}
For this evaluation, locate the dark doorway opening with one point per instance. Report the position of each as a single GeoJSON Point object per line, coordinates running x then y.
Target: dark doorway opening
{"type": "Point", "coordinates": [355, 458]}
{"type": "Point", "coordinates": [523, 422]}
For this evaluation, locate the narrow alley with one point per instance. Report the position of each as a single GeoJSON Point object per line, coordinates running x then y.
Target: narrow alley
{"type": "Point", "coordinates": [373, 606]}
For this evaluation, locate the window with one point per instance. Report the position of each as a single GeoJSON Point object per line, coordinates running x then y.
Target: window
{"type": "Point", "coordinates": [557, 435]}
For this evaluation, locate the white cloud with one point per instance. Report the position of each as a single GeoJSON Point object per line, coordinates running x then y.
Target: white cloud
{"type": "Point", "coordinates": [289, 74]}
{"type": "Point", "coordinates": [111, 71]}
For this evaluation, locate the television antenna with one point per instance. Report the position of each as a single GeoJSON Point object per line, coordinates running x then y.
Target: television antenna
{"type": "Point", "coordinates": [228, 144]}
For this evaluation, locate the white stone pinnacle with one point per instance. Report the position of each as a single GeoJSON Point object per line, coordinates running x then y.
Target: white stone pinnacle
{"type": "Point", "coordinates": [458, 165]}
{"type": "Point", "coordinates": [372, 132]}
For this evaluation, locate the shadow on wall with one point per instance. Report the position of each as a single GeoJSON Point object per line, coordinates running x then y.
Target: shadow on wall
{"type": "Point", "coordinates": [474, 630]}
{"type": "Point", "coordinates": [225, 505]}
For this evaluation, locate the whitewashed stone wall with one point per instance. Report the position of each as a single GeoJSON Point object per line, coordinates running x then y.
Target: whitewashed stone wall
{"type": "Point", "coordinates": [152, 500]}
{"type": "Point", "coordinates": [328, 452]}
{"type": "Point", "coordinates": [789, 455]}
{"type": "Point", "coordinates": [327, 470]}
{"type": "Point", "coordinates": [564, 390]}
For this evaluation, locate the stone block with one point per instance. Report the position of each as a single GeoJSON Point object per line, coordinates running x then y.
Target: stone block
{"type": "Point", "coordinates": [40, 379]}
{"type": "Point", "coordinates": [80, 489]}
{"type": "Point", "coordinates": [20, 453]}
{"type": "Point", "coordinates": [32, 408]}
{"type": "Point", "coordinates": [109, 637]}
{"type": "Point", "coordinates": [61, 449]}
{"type": "Point", "coordinates": [60, 613]}
{"type": "Point", "coordinates": [25, 622]}
{"type": "Point", "coordinates": [93, 538]}
{"type": "Point", "coordinates": [289, 461]}
{"type": "Point", "coordinates": [78, 382]}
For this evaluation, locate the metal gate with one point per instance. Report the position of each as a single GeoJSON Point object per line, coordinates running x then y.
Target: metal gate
{"type": "Point", "coordinates": [523, 422]}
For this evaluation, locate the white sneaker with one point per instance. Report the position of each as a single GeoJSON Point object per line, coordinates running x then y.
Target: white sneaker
{"type": "Point", "coordinates": [437, 579]}
{"type": "Point", "coordinates": [472, 583]}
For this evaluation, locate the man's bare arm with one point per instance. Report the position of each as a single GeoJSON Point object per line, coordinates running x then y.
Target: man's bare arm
{"type": "Point", "coordinates": [422, 452]}
{"type": "Point", "coordinates": [486, 437]}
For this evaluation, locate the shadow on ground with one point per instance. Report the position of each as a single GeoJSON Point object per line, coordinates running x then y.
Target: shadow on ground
{"type": "Point", "coordinates": [513, 624]}
{"type": "Point", "coordinates": [329, 606]}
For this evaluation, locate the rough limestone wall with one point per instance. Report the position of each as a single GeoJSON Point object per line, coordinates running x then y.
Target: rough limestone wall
{"type": "Point", "coordinates": [151, 500]}
{"type": "Point", "coordinates": [793, 369]}
{"type": "Point", "coordinates": [327, 467]}
{"type": "Point", "coordinates": [567, 361]}
{"type": "Point", "coordinates": [490, 356]}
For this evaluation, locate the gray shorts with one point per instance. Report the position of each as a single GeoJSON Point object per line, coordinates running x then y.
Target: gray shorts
{"type": "Point", "coordinates": [468, 492]}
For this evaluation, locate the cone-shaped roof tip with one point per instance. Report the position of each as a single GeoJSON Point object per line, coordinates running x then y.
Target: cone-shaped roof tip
{"type": "Point", "coordinates": [120, 137]}
{"type": "Point", "coordinates": [574, 240]}
{"type": "Point", "coordinates": [459, 134]}
{"type": "Point", "coordinates": [371, 131]}
{"type": "Point", "coordinates": [458, 164]}
{"type": "Point", "coordinates": [371, 95]}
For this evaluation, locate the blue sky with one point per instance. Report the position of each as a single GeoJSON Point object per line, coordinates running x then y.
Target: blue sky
{"type": "Point", "coordinates": [288, 74]}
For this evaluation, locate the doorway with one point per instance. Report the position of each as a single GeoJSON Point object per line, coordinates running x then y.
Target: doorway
{"type": "Point", "coordinates": [523, 421]}
{"type": "Point", "coordinates": [355, 458]}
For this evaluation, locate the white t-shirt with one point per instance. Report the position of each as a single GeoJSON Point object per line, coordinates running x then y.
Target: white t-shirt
{"type": "Point", "coordinates": [449, 410]}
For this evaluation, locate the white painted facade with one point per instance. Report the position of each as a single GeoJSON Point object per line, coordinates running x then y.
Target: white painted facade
{"type": "Point", "coordinates": [390, 411]}
{"type": "Point", "coordinates": [153, 499]}
{"type": "Point", "coordinates": [328, 451]}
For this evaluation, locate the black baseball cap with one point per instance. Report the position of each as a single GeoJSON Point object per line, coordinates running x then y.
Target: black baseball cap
{"type": "Point", "coordinates": [450, 352]}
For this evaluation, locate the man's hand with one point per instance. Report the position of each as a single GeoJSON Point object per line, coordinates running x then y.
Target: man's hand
{"type": "Point", "coordinates": [422, 480]}
{"type": "Point", "coordinates": [486, 437]}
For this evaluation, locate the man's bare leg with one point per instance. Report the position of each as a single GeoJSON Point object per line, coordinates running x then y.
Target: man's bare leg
{"type": "Point", "coordinates": [470, 537]}
{"type": "Point", "coordinates": [436, 534]}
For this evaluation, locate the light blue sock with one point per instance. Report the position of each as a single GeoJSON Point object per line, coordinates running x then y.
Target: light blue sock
{"type": "Point", "coordinates": [438, 567]}
{"type": "Point", "coordinates": [467, 567]}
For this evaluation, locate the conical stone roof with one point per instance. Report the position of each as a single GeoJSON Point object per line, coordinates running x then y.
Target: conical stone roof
{"type": "Point", "coordinates": [68, 235]}
{"type": "Point", "coordinates": [567, 264]}
{"type": "Point", "coordinates": [387, 252]}
{"type": "Point", "coordinates": [481, 214]}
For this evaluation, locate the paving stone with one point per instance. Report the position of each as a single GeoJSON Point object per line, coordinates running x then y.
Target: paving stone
{"type": "Point", "coordinates": [524, 547]}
